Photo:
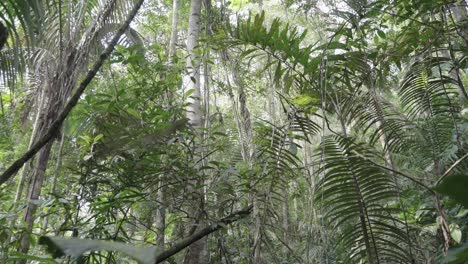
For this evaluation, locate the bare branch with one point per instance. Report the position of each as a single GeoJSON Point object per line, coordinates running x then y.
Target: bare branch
{"type": "Point", "coordinates": [447, 172]}
{"type": "Point", "coordinates": [202, 233]}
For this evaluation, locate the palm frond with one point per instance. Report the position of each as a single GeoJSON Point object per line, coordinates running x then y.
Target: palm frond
{"type": "Point", "coordinates": [429, 95]}
{"type": "Point", "coordinates": [356, 195]}
{"type": "Point", "coordinates": [367, 111]}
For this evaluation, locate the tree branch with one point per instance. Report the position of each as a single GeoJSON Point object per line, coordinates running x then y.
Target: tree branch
{"type": "Point", "coordinates": [202, 233]}
{"type": "Point", "coordinates": [447, 172]}
{"type": "Point", "coordinates": [54, 128]}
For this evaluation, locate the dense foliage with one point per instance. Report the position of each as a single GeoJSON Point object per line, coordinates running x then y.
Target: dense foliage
{"type": "Point", "coordinates": [233, 132]}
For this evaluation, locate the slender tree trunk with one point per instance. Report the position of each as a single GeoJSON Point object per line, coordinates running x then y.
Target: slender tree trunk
{"type": "Point", "coordinates": [248, 156]}
{"type": "Point", "coordinates": [272, 106]}
{"type": "Point", "coordinates": [174, 30]}
{"type": "Point", "coordinates": [459, 13]}
{"type": "Point", "coordinates": [27, 167]}
{"type": "Point", "coordinates": [191, 82]}
{"type": "Point", "coordinates": [38, 179]}
{"type": "Point", "coordinates": [55, 177]}
{"type": "Point", "coordinates": [160, 217]}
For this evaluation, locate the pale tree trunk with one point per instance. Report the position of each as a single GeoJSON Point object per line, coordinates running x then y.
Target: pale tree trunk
{"type": "Point", "coordinates": [55, 177]}
{"type": "Point", "coordinates": [244, 126]}
{"type": "Point", "coordinates": [160, 217]}
{"type": "Point", "coordinates": [275, 119]}
{"type": "Point", "coordinates": [191, 81]}
{"type": "Point", "coordinates": [246, 131]}
{"type": "Point", "coordinates": [38, 179]}
{"type": "Point", "coordinates": [27, 167]}
{"type": "Point", "coordinates": [54, 98]}
{"type": "Point", "coordinates": [207, 112]}
{"type": "Point", "coordinates": [174, 30]}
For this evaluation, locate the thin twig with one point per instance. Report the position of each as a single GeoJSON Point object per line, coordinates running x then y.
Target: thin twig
{"type": "Point", "coordinates": [447, 172]}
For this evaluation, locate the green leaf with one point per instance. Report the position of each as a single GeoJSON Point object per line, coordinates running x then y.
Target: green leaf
{"type": "Point", "coordinates": [134, 113]}
{"type": "Point", "coordinates": [455, 233]}
{"type": "Point", "coordinates": [381, 34]}
{"type": "Point", "coordinates": [303, 100]}
{"type": "Point", "coordinates": [454, 186]}
{"type": "Point", "coordinates": [98, 137]}
{"type": "Point", "coordinates": [189, 92]}
{"type": "Point", "coordinates": [76, 247]}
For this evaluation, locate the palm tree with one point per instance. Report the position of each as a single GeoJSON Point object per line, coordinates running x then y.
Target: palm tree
{"type": "Point", "coordinates": [77, 29]}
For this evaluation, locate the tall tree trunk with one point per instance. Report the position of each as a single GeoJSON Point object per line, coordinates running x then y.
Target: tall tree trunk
{"type": "Point", "coordinates": [55, 177]}
{"type": "Point", "coordinates": [27, 167]}
{"type": "Point", "coordinates": [56, 93]}
{"type": "Point", "coordinates": [274, 118]}
{"type": "Point", "coordinates": [174, 30]}
{"type": "Point", "coordinates": [248, 156]}
{"type": "Point", "coordinates": [34, 194]}
{"type": "Point", "coordinates": [160, 214]}
{"type": "Point", "coordinates": [160, 218]}
{"type": "Point", "coordinates": [191, 81]}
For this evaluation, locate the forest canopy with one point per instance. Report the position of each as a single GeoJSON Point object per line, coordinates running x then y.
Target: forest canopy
{"type": "Point", "coordinates": [211, 131]}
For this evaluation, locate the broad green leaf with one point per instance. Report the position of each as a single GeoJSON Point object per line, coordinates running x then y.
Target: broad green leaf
{"type": "Point", "coordinates": [455, 233]}
{"type": "Point", "coordinates": [454, 186]}
{"type": "Point", "coordinates": [189, 92]}
{"type": "Point", "coordinates": [381, 34]}
{"type": "Point", "coordinates": [75, 247]}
